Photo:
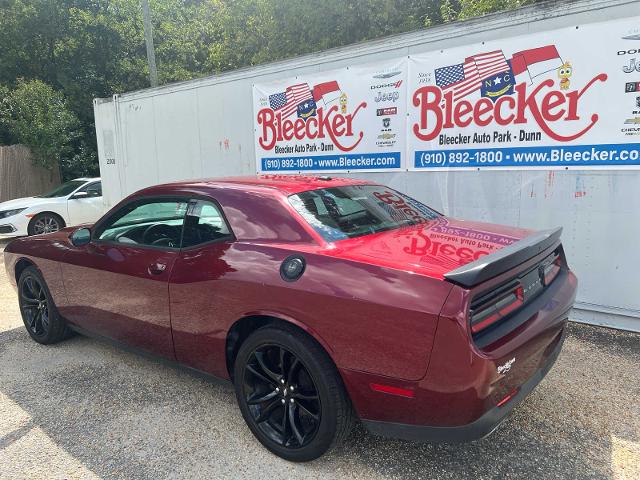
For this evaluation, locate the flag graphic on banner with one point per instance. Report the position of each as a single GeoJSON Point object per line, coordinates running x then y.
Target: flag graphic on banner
{"type": "Point", "coordinates": [307, 109]}
{"type": "Point", "coordinates": [536, 61]}
{"type": "Point", "coordinates": [287, 102]}
{"type": "Point", "coordinates": [498, 85]}
{"type": "Point", "coordinates": [465, 78]}
{"type": "Point", "coordinates": [327, 92]}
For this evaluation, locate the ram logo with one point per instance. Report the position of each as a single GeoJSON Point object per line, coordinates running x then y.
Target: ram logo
{"type": "Point", "coordinates": [504, 369]}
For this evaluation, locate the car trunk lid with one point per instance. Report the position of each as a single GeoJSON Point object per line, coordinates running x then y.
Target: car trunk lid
{"type": "Point", "coordinates": [432, 248]}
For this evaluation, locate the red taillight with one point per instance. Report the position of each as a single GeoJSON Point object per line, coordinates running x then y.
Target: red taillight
{"type": "Point", "coordinates": [489, 314]}
{"type": "Point", "coordinates": [488, 309]}
{"type": "Point", "coordinates": [551, 270]}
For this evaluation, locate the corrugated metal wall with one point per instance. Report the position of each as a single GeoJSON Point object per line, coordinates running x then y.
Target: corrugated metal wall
{"type": "Point", "coordinates": [20, 178]}
{"type": "Point", "coordinates": [205, 128]}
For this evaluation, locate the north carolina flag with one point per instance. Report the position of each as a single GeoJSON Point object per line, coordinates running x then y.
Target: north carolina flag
{"type": "Point", "coordinates": [327, 92]}
{"type": "Point", "coordinates": [536, 61]}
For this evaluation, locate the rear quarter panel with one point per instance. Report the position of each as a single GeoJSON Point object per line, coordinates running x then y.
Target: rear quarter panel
{"type": "Point", "coordinates": [369, 318]}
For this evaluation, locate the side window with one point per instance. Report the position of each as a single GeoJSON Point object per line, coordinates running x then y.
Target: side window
{"type": "Point", "coordinates": [93, 189]}
{"type": "Point", "coordinates": [156, 223]}
{"type": "Point", "coordinates": [204, 223]}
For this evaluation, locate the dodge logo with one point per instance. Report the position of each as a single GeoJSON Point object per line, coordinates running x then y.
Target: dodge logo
{"type": "Point", "coordinates": [531, 283]}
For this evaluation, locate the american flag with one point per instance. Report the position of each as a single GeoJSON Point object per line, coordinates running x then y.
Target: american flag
{"type": "Point", "coordinates": [465, 78]}
{"type": "Point", "coordinates": [394, 213]}
{"type": "Point", "coordinates": [287, 102]}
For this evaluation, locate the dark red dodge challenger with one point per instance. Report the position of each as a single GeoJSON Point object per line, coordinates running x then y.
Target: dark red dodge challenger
{"type": "Point", "coordinates": [319, 298]}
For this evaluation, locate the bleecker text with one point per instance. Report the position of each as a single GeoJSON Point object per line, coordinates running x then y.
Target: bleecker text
{"type": "Point", "coordinates": [330, 123]}
{"type": "Point", "coordinates": [400, 205]}
{"type": "Point", "coordinates": [545, 105]}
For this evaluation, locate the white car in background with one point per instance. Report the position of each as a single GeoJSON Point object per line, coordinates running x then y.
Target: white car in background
{"type": "Point", "coordinates": [72, 203]}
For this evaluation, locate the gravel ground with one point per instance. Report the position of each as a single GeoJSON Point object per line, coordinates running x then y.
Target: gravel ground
{"type": "Point", "coordinates": [84, 409]}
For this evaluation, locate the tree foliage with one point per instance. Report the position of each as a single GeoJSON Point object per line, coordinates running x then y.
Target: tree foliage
{"type": "Point", "coordinates": [451, 10]}
{"type": "Point", "coordinates": [84, 49]}
{"type": "Point", "coordinates": [35, 114]}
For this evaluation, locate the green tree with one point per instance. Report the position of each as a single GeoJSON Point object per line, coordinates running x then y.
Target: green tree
{"type": "Point", "coordinates": [95, 48]}
{"type": "Point", "coordinates": [6, 138]}
{"type": "Point", "coordinates": [34, 114]}
{"type": "Point", "coordinates": [463, 9]}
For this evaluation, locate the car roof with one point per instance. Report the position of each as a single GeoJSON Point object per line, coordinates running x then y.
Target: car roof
{"type": "Point", "coordinates": [86, 179]}
{"type": "Point", "coordinates": [288, 184]}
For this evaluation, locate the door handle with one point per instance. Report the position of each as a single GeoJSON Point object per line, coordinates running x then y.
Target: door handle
{"type": "Point", "coordinates": [157, 268]}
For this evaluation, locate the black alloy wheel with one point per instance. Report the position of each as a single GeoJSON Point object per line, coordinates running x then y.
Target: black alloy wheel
{"type": "Point", "coordinates": [282, 397]}
{"type": "Point", "coordinates": [39, 313]}
{"type": "Point", "coordinates": [34, 306]}
{"type": "Point", "coordinates": [290, 393]}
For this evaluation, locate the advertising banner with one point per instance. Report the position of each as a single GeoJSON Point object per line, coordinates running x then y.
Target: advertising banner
{"type": "Point", "coordinates": [351, 119]}
{"type": "Point", "coordinates": [563, 99]}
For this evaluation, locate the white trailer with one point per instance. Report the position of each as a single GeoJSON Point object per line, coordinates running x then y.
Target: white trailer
{"type": "Point", "coordinates": [207, 128]}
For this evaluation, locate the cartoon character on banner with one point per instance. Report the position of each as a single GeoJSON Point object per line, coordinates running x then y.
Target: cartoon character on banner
{"type": "Point", "coordinates": [343, 103]}
{"type": "Point", "coordinates": [564, 72]}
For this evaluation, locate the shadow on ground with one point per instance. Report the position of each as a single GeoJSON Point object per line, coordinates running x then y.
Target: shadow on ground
{"type": "Point", "coordinates": [114, 414]}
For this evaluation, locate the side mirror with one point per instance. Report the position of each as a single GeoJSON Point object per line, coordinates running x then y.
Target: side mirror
{"type": "Point", "coordinates": [80, 237]}
{"type": "Point", "coordinates": [77, 195]}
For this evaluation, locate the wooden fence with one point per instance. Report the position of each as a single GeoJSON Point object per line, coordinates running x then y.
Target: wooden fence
{"type": "Point", "coordinates": [20, 178]}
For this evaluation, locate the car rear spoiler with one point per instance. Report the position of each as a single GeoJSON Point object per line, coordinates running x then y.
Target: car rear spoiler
{"type": "Point", "coordinates": [504, 259]}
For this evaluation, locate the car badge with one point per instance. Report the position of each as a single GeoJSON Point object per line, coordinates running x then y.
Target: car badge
{"type": "Point", "coordinates": [504, 369]}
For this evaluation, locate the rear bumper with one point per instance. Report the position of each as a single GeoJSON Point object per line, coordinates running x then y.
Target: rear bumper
{"type": "Point", "coordinates": [475, 430]}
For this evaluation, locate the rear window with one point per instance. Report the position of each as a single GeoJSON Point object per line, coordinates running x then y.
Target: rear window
{"type": "Point", "coordinates": [352, 211]}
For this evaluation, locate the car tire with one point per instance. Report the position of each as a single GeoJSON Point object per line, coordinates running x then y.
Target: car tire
{"type": "Point", "coordinates": [39, 313]}
{"type": "Point", "coordinates": [291, 394]}
{"type": "Point", "coordinates": [46, 222]}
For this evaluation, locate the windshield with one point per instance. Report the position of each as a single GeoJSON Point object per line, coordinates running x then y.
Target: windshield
{"type": "Point", "coordinates": [353, 211]}
{"type": "Point", "coordinates": [64, 189]}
